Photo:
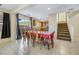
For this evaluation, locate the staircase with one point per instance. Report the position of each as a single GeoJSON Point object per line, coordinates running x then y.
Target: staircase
{"type": "Point", "coordinates": [63, 32]}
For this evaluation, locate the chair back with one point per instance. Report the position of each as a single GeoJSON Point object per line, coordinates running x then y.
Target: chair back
{"type": "Point", "coordinates": [52, 35]}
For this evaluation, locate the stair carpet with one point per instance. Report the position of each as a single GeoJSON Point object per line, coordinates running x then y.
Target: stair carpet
{"type": "Point", "coordinates": [63, 32]}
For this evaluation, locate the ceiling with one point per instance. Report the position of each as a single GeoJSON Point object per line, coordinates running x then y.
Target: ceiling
{"type": "Point", "coordinates": [9, 7]}
{"type": "Point", "coordinates": [41, 10]}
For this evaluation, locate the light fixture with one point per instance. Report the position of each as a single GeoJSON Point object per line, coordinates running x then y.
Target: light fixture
{"type": "Point", "coordinates": [49, 8]}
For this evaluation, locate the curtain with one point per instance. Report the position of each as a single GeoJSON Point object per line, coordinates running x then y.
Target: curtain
{"type": "Point", "coordinates": [6, 26]}
{"type": "Point", "coordinates": [18, 28]}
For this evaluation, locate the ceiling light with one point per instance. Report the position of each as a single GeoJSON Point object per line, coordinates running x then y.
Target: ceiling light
{"type": "Point", "coordinates": [49, 8]}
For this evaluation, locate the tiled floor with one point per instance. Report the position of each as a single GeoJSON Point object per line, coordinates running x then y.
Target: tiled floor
{"type": "Point", "coordinates": [60, 48]}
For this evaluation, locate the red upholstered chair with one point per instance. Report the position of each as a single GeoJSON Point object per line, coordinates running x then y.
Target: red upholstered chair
{"type": "Point", "coordinates": [50, 40]}
{"type": "Point", "coordinates": [27, 34]}
{"type": "Point", "coordinates": [39, 37]}
{"type": "Point", "coordinates": [45, 39]}
{"type": "Point", "coordinates": [33, 37]}
{"type": "Point", "coordinates": [24, 35]}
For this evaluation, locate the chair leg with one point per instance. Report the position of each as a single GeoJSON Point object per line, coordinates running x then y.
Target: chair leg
{"type": "Point", "coordinates": [33, 43]}
{"type": "Point", "coordinates": [40, 45]}
{"type": "Point", "coordinates": [52, 43]}
{"type": "Point", "coordinates": [48, 46]}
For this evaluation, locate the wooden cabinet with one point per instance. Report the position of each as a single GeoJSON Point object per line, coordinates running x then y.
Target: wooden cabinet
{"type": "Point", "coordinates": [43, 26]}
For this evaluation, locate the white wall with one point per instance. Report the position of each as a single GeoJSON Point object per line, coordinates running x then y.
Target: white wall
{"type": "Point", "coordinates": [73, 24]}
{"type": "Point", "coordinates": [61, 17]}
{"type": "Point", "coordinates": [13, 26]}
{"type": "Point", "coordinates": [1, 23]}
{"type": "Point", "coordinates": [4, 10]}
{"type": "Point", "coordinates": [53, 24]}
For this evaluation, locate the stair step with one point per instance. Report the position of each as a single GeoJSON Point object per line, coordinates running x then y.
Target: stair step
{"type": "Point", "coordinates": [63, 28]}
{"type": "Point", "coordinates": [66, 35]}
{"type": "Point", "coordinates": [64, 38]}
{"type": "Point", "coordinates": [62, 25]}
{"type": "Point", "coordinates": [63, 32]}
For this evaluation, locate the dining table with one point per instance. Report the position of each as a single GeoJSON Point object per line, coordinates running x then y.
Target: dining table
{"type": "Point", "coordinates": [37, 35]}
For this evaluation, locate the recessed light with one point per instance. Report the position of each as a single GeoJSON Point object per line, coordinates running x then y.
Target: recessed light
{"type": "Point", "coordinates": [49, 8]}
